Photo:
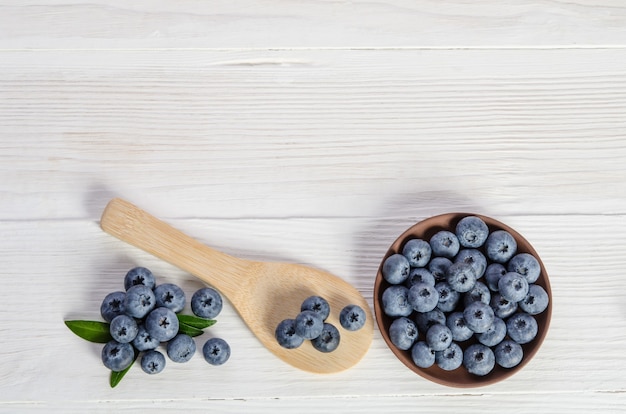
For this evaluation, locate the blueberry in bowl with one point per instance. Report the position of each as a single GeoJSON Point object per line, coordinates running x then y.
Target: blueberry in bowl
{"type": "Point", "coordinates": [492, 294]}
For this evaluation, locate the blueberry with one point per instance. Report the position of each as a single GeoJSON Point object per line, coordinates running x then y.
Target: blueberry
{"type": "Point", "coordinates": [448, 297]}
{"type": "Point", "coordinates": [139, 276]}
{"type": "Point", "coordinates": [479, 359]}
{"type": "Point", "coordinates": [170, 296]}
{"type": "Point", "coordinates": [526, 265]}
{"type": "Point", "coordinates": [494, 335]}
{"type": "Point", "coordinates": [478, 316]}
{"type": "Point", "coordinates": [493, 274]}
{"type": "Point", "coordinates": [286, 334]}
{"type": "Point", "coordinates": [513, 286]}
{"type": "Point", "coordinates": [450, 358]}
{"type": "Point", "coordinates": [438, 266]}
{"type": "Point", "coordinates": [216, 351]}
{"type": "Point", "coordinates": [162, 324]}
{"type": "Point", "coordinates": [152, 362]}
{"type": "Point", "coordinates": [471, 231]}
{"type": "Point", "coordinates": [206, 303]}
{"type": "Point", "coordinates": [112, 305]}
{"type": "Point", "coordinates": [445, 244]}
{"type": "Point", "coordinates": [116, 356]}
{"type": "Point", "coordinates": [420, 275]}
{"type": "Point", "coordinates": [309, 324]}
{"type": "Point", "coordinates": [352, 317]}
{"type": "Point", "coordinates": [328, 340]}
{"type": "Point", "coordinates": [181, 348]}
{"type": "Point", "coordinates": [536, 301]}
{"type": "Point", "coordinates": [143, 341]}
{"type": "Point", "coordinates": [508, 353]}
{"type": "Point", "coordinates": [123, 329]}
{"type": "Point", "coordinates": [457, 325]}
{"type": "Point", "coordinates": [500, 246]}
{"type": "Point", "coordinates": [522, 328]}
{"type": "Point", "coordinates": [502, 307]}
{"type": "Point", "coordinates": [139, 300]}
{"type": "Point", "coordinates": [422, 355]}
{"type": "Point", "coordinates": [475, 258]}
{"type": "Point", "coordinates": [438, 337]}
{"type": "Point", "coordinates": [461, 277]}
{"type": "Point", "coordinates": [403, 333]}
{"type": "Point", "coordinates": [395, 301]}
{"type": "Point", "coordinates": [424, 320]}
{"type": "Point", "coordinates": [396, 269]}
{"type": "Point", "coordinates": [316, 304]}
{"type": "Point", "coordinates": [480, 292]}
{"type": "Point", "coordinates": [417, 252]}
{"type": "Point", "coordinates": [423, 297]}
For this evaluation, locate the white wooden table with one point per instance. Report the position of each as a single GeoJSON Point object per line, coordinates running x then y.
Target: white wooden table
{"type": "Point", "coordinates": [312, 132]}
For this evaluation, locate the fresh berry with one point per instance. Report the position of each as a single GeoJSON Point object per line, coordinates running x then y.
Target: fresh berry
{"type": "Point", "coordinates": [420, 275]}
{"type": "Point", "coordinates": [493, 274]}
{"type": "Point", "coordinates": [417, 252]}
{"type": "Point", "coordinates": [450, 358]}
{"type": "Point", "coordinates": [352, 317]}
{"type": "Point", "coordinates": [139, 301]}
{"type": "Point", "coordinates": [216, 351]}
{"type": "Point", "coordinates": [458, 327]}
{"type": "Point", "coordinates": [479, 359]}
{"type": "Point", "coordinates": [316, 304]}
{"type": "Point", "coordinates": [500, 246]}
{"type": "Point", "coordinates": [513, 286]}
{"type": "Point", "coordinates": [423, 297]}
{"type": "Point", "coordinates": [461, 277]}
{"type": "Point", "coordinates": [396, 269]}
{"type": "Point", "coordinates": [162, 324]}
{"type": "Point", "coordinates": [143, 341]}
{"type": "Point", "coordinates": [139, 276]}
{"type": "Point", "coordinates": [494, 335]}
{"type": "Point", "coordinates": [152, 362]}
{"type": "Point", "coordinates": [424, 320]}
{"type": "Point", "coordinates": [286, 334]}
{"type": "Point", "coordinates": [170, 296]}
{"type": "Point", "coordinates": [181, 348]}
{"type": "Point", "coordinates": [445, 244]}
{"type": "Point", "coordinates": [522, 328]}
{"type": "Point", "coordinates": [395, 301]}
{"type": "Point", "coordinates": [116, 356]}
{"type": "Point", "coordinates": [471, 231]}
{"type": "Point", "coordinates": [480, 292]}
{"type": "Point", "coordinates": [536, 301]}
{"type": "Point", "coordinates": [439, 337]}
{"type": "Point", "coordinates": [502, 308]}
{"type": "Point", "coordinates": [422, 355]}
{"type": "Point", "coordinates": [526, 265]}
{"type": "Point", "coordinates": [123, 329]}
{"type": "Point", "coordinates": [478, 316]}
{"type": "Point", "coordinates": [438, 266]}
{"type": "Point", "coordinates": [403, 333]}
{"type": "Point", "coordinates": [508, 353]}
{"type": "Point", "coordinates": [309, 324]}
{"type": "Point", "coordinates": [206, 303]}
{"type": "Point", "coordinates": [474, 258]}
{"type": "Point", "coordinates": [448, 297]}
{"type": "Point", "coordinates": [328, 340]}
{"type": "Point", "coordinates": [112, 305]}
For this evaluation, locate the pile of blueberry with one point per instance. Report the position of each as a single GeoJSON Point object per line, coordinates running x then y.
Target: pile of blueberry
{"type": "Point", "coordinates": [144, 316]}
{"type": "Point", "coordinates": [463, 298]}
{"type": "Point", "coordinates": [310, 324]}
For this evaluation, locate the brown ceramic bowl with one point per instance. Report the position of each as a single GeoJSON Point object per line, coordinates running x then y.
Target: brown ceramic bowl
{"type": "Point", "coordinates": [459, 377]}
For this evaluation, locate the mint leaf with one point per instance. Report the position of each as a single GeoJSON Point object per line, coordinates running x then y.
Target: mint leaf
{"type": "Point", "coordinates": [116, 376]}
{"type": "Point", "coordinates": [189, 330]}
{"type": "Point", "coordinates": [92, 331]}
{"type": "Point", "coordinates": [195, 321]}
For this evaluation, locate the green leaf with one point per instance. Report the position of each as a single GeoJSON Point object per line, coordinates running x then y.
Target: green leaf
{"type": "Point", "coordinates": [93, 331]}
{"type": "Point", "coordinates": [195, 321]}
{"type": "Point", "coordinates": [116, 376]}
{"type": "Point", "coordinates": [189, 330]}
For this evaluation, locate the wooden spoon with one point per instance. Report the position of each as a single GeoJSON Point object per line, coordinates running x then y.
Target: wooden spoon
{"type": "Point", "coordinates": [262, 293]}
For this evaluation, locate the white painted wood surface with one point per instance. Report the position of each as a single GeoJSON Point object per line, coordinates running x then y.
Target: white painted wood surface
{"type": "Point", "coordinates": [312, 132]}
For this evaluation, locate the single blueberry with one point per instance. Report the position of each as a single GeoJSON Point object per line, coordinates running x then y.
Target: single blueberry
{"type": "Point", "coordinates": [403, 333]}
{"type": "Point", "coordinates": [216, 351]}
{"type": "Point", "coordinates": [478, 316]}
{"type": "Point", "coordinates": [206, 303]}
{"type": "Point", "coordinates": [480, 292]}
{"type": "Point", "coordinates": [479, 359]}
{"type": "Point", "coordinates": [112, 305]}
{"type": "Point", "coordinates": [439, 337]}
{"type": "Point", "coordinates": [162, 324]}
{"type": "Point", "coordinates": [139, 300]}
{"type": "Point", "coordinates": [181, 348]}
{"type": "Point", "coordinates": [448, 297]}
{"type": "Point", "coordinates": [522, 328]}
{"type": "Point", "coordinates": [445, 244]}
{"type": "Point", "coordinates": [316, 304]}
{"type": "Point", "coordinates": [494, 335]}
{"type": "Point", "coordinates": [472, 231]}
{"type": "Point", "coordinates": [438, 266]}
{"type": "Point", "coordinates": [123, 329]}
{"type": "Point", "coordinates": [396, 269]}
{"type": "Point", "coordinates": [309, 324]}
{"type": "Point", "coordinates": [502, 307]}
{"type": "Point", "coordinates": [526, 265]}
{"type": "Point", "coordinates": [493, 274]}
{"type": "Point", "coordinates": [286, 334]}
{"type": "Point", "coordinates": [508, 353]}
{"type": "Point", "coordinates": [395, 301]}
{"type": "Point", "coordinates": [170, 296]}
{"type": "Point", "coordinates": [417, 252]}
{"type": "Point", "coordinates": [461, 277]}
{"type": "Point", "coordinates": [116, 356]}
{"type": "Point", "coordinates": [139, 276]}
{"type": "Point", "coordinates": [328, 340]}
{"type": "Point", "coordinates": [450, 358]}
{"type": "Point", "coordinates": [352, 317]}
{"type": "Point", "coordinates": [424, 320]}
{"type": "Point", "coordinates": [423, 297]}
{"type": "Point", "coordinates": [457, 325]}
{"type": "Point", "coordinates": [536, 301]}
{"type": "Point", "coordinates": [420, 275]}
{"type": "Point", "coordinates": [422, 355]}
{"type": "Point", "coordinates": [500, 246]}
{"type": "Point", "coordinates": [513, 286]}
{"type": "Point", "coordinates": [152, 362]}
{"type": "Point", "coordinates": [474, 258]}
{"type": "Point", "coordinates": [143, 341]}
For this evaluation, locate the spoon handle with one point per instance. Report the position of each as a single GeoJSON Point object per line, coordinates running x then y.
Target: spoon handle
{"type": "Point", "coordinates": [131, 224]}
